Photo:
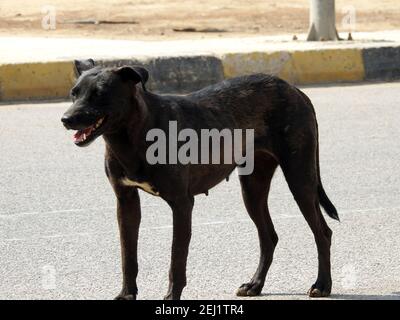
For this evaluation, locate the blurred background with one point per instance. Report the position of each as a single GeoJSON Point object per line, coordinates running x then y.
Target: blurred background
{"type": "Point", "coordinates": [166, 19]}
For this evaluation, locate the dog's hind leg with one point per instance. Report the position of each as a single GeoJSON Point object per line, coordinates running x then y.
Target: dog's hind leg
{"type": "Point", "coordinates": [301, 173]}
{"type": "Point", "coordinates": [255, 189]}
{"type": "Point", "coordinates": [182, 224]}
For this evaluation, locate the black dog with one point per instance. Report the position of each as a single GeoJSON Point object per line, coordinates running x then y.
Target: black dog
{"type": "Point", "coordinates": [113, 102]}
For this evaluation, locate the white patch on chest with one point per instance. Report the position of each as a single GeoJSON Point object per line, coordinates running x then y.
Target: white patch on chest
{"type": "Point", "coordinates": [142, 185]}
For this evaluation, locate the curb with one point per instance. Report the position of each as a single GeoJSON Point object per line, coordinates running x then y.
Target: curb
{"type": "Point", "coordinates": [382, 63]}
{"type": "Point", "coordinates": [53, 80]}
{"type": "Point", "coordinates": [36, 80]}
{"type": "Point", "coordinates": [300, 67]}
{"type": "Point", "coordinates": [177, 74]}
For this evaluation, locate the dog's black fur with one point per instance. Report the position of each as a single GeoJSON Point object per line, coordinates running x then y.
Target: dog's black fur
{"type": "Point", "coordinates": [286, 134]}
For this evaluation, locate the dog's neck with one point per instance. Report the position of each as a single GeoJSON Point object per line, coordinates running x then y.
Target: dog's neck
{"type": "Point", "coordinates": [128, 143]}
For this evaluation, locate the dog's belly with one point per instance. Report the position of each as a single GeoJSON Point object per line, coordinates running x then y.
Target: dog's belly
{"type": "Point", "coordinates": [145, 186]}
{"type": "Point", "coordinates": [205, 177]}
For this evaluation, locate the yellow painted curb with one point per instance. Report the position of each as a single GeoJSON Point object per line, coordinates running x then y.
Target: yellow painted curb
{"type": "Point", "coordinates": [36, 80]}
{"type": "Point", "coordinates": [238, 64]}
{"type": "Point", "coordinates": [299, 67]}
{"type": "Point", "coordinates": [331, 65]}
{"type": "Point", "coordinates": [54, 79]}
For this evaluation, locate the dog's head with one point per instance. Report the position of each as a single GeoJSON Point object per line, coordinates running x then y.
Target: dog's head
{"type": "Point", "coordinates": [102, 99]}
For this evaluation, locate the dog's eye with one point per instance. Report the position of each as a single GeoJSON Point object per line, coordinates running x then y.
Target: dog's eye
{"type": "Point", "coordinates": [74, 92]}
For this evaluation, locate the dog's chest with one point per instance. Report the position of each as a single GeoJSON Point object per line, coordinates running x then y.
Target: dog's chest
{"type": "Point", "coordinates": [145, 186]}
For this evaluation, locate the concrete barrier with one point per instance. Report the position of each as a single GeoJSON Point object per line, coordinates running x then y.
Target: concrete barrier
{"type": "Point", "coordinates": [29, 81]}
{"type": "Point", "coordinates": [382, 63]}
{"type": "Point", "coordinates": [36, 80]}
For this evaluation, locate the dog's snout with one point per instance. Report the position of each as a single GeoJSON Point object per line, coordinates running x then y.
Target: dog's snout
{"type": "Point", "coordinates": [73, 117]}
{"type": "Point", "coordinates": [78, 118]}
{"type": "Point", "coordinates": [67, 120]}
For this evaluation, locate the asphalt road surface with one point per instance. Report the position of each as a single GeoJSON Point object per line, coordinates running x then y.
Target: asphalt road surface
{"type": "Point", "coordinates": [59, 237]}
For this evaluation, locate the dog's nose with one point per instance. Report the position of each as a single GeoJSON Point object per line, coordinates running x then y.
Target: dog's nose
{"type": "Point", "coordinates": [66, 120]}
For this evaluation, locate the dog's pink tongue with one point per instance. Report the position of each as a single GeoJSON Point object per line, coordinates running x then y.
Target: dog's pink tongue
{"type": "Point", "coordinates": [78, 136]}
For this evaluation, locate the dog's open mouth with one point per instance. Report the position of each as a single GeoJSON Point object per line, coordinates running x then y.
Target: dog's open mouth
{"type": "Point", "coordinates": [84, 136]}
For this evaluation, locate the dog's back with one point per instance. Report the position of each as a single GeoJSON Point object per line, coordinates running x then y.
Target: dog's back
{"type": "Point", "coordinates": [265, 103]}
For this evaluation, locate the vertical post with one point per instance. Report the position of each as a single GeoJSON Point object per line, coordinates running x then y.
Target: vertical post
{"type": "Point", "coordinates": [322, 21]}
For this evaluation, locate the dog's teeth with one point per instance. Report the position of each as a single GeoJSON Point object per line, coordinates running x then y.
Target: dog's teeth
{"type": "Point", "coordinates": [98, 123]}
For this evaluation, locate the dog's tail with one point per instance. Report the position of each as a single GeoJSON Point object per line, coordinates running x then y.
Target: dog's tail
{"type": "Point", "coordinates": [327, 204]}
{"type": "Point", "coordinates": [323, 198]}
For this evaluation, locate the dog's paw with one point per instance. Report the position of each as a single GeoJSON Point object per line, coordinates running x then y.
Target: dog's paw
{"type": "Point", "coordinates": [123, 296]}
{"type": "Point", "coordinates": [250, 289]}
{"type": "Point", "coordinates": [168, 296]}
{"type": "Point", "coordinates": [171, 296]}
{"type": "Point", "coordinates": [318, 291]}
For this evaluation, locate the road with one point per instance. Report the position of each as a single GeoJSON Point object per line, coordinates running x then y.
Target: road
{"type": "Point", "coordinates": [59, 237]}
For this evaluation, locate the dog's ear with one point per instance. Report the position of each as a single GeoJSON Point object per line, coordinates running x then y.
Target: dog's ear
{"type": "Point", "coordinates": [134, 73]}
{"type": "Point", "coordinates": [83, 65]}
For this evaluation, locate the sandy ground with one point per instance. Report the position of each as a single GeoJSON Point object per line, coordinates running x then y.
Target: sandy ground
{"type": "Point", "coordinates": [148, 19]}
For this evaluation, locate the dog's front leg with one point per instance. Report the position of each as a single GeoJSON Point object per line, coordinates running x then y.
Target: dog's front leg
{"type": "Point", "coordinates": [129, 215]}
{"type": "Point", "coordinates": [182, 231]}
